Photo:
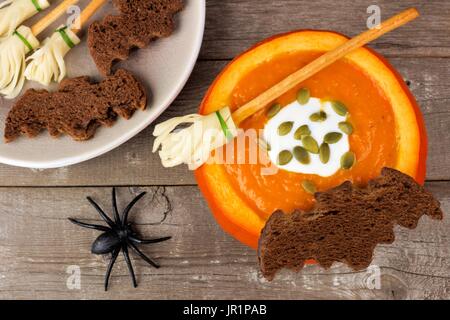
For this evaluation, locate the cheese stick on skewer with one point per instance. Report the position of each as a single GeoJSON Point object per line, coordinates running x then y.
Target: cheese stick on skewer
{"type": "Point", "coordinates": [14, 12]}
{"type": "Point", "coordinates": [14, 49]}
{"type": "Point", "coordinates": [47, 63]}
{"type": "Point", "coordinates": [193, 145]}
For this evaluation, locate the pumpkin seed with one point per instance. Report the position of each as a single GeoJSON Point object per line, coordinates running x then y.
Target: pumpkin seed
{"type": "Point", "coordinates": [284, 157]}
{"type": "Point", "coordinates": [273, 110]}
{"type": "Point", "coordinates": [339, 108]}
{"type": "Point", "coordinates": [332, 137]}
{"type": "Point", "coordinates": [310, 144]}
{"type": "Point", "coordinates": [346, 127]}
{"type": "Point", "coordinates": [302, 131]}
{"type": "Point", "coordinates": [318, 116]}
{"type": "Point", "coordinates": [303, 96]}
{"type": "Point", "coordinates": [265, 145]}
{"type": "Point", "coordinates": [285, 128]}
{"type": "Point", "coordinates": [301, 155]}
{"type": "Point", "coordinates": [309, 186]}
{"type": "Point", "coordinates": [324, 153]}
{"type": "Point", "coordinates": [348, 160]}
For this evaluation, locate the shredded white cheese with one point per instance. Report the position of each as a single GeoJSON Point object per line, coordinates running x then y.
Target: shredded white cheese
{"type": "Point", "coordinates": [47, 63]}
{"type": "Point", "coordinates": [14, 12]}
{"type": "Point", "coordinates": [192, 145]}
{"type": "Point", "coordinates": [12, 61]}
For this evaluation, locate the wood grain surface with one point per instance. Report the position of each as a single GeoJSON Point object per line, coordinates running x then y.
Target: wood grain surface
{"type": "Point", "coordinates": [38, 245]}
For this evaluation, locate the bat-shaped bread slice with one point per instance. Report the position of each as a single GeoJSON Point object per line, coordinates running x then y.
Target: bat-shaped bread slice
{"type": "Point", "coordinates": [345, 224]}
{"type": "Point", "coordinates": [139, 23]}
{"type": "Point", "coordinates": [78, 108]}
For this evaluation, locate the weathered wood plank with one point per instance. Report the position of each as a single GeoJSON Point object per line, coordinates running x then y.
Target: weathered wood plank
{"type": "Point", "coordinates": [134, 164]}
{"type": "Point", "coordinates": [234, 25]}
{"type": "Point", "coordinates": [38, 244]}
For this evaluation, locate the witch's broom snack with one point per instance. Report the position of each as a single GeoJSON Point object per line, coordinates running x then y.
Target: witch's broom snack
{"type": "Point", "coordinates": [47, 63]}
{"type": "Point", "coordinates": [14, 49]}
{"type": "Point", "coordinates": [345, 225]}
{"type": "Point", "coordinates": [14, 12]}
{"type": "Point", "coordinates": [193, 145]}
{"type": "Point", "coordinates": [139, 22]}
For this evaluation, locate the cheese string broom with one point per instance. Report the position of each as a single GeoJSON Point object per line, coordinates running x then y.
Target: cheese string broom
{"type": "Point", "coordinates": [47, 63]}
{"type": "Point", "coordinates": [14, 49]}
{"type": "Point", "coordinates": [193, 145]}
{"type": "Point", "coordinates": [14, 12]}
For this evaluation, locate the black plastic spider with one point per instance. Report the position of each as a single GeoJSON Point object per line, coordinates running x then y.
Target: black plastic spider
{"type": "Point", "coordinates": [118, 236]}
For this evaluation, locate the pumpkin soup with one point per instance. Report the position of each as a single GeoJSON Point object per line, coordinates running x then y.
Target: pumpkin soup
{"type": "Point", "coordinates": [382, 125]}
{"type": "Point", "coordinates": [373, 140]}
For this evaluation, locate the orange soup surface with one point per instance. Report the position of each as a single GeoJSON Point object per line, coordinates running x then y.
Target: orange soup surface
{"type": "Point", "coordinates": [373, 140]}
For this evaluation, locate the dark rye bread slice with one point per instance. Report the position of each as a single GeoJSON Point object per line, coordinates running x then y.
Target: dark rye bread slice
{"type": "Point", "coordinates": [78, 108]}
{"type": "Point", "coordinates": [139, 22]}
{"type": "Point", "coordinates": [345, 224]}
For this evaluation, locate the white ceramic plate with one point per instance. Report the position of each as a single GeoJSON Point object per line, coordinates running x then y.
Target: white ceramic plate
{"type": "Point", "coordinates": [163, 67]}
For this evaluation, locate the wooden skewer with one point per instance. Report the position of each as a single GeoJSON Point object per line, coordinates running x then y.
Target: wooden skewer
{"type": "Point", "coordinates": [52, 16]}
{"type": "Point", "coordinates": [172, 142]}
{"type": "Point", "coordinates": [88, 12]}
{"type": "Point", "coordinates": [320, 63]}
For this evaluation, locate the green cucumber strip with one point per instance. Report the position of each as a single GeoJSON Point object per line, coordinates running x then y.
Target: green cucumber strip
{"type": "Point", "coordinates": [66, 37]}
{"type": "Point", "coordinates": [36, 5]}
{"type": "Point", "coordinates": [25, 41]}
{"type": "Point", "coordinates": [223, 124]}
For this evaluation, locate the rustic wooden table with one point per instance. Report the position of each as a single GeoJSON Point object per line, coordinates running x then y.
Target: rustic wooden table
{"type": "Point", "coordinates": [39, 248]}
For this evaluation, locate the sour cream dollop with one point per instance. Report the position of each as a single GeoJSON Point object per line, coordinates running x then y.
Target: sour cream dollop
{"type": "Point", "coordinates": [300, 115]}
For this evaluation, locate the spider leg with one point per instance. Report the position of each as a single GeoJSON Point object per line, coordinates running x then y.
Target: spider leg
{"type": "Point", "coordinates": [101, 212]}
{"type": "Point", "coordinates": [110, 266]}
{"type": "Point", "coordinates": [114, 202]}
{"type": "Point", "coordinates": [129, 207]}
{"type": "Point", "coordinates": [143, 256]}
{"type": "Point", "coordinates": [147, 241]}
{"type": "Point", "coordinates": [89, 226]}
{"type": "Point", "coordinates": [129, 265]}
